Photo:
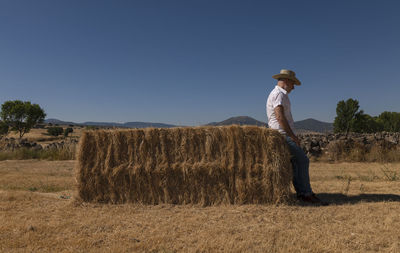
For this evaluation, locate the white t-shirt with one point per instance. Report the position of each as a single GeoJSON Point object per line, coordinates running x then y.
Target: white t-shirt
{"type": "Point", "coordinates": [279, 96]}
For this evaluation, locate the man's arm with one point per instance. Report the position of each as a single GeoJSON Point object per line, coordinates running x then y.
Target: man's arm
{"type": "Point", "coordinates": [280, 116]}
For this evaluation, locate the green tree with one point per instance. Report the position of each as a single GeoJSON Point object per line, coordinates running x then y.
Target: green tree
{"type": "Point", "coordinates": [3, 128]}
{"type": "Point", "coordinates": [390, 121]}
{"type": "Point", "coordinates": [21, 116]}
{"type": "Point", "coordinates": [364, 123]}
{"type": "Point", "coordinates": [346, 113]}
{"type": "Point", "coordinates": [68, 131]}
{"type": "Point", "coordinates": [55, 131]}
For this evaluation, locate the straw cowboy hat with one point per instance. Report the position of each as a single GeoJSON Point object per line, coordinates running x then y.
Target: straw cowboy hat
{"type": "Point", "coordinates": [287, 74]}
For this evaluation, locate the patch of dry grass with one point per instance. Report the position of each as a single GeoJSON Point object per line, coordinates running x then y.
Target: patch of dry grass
{"type": "Point", "coordinates": [40, 135]}
{"type": "Point", "coordinates": [53, 154]}
{"type": "Point", "coordinates": [364, 220]}
{"type": "Point", "coordinates": [382, 151]}
{"type": "Point", "coordinates": [355, 178]}
{"type": "Point", "coordinates": [34, 175]}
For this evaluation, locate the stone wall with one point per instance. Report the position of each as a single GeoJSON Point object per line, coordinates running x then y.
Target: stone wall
{"type": "Point", "coordinates": [318, 144]}
{"type": "Point", "coordinates": [11, 144]}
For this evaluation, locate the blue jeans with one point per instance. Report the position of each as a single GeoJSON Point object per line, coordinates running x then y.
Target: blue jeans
{"type": "Point", "coordinates": [300, 163]}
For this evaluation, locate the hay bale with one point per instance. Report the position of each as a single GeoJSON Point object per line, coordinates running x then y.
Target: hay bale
{"type": "Point", "coordinates": [201, 165]}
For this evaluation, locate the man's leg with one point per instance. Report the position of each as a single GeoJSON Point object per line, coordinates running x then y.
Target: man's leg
{"type": "Point", "coordinates": [300, 163]}
{"type": "Point", "coordinates": [301, 178]}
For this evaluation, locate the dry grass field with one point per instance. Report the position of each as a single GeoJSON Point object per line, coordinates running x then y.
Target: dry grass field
{"type": "Point", "coordinates": [41, 136]}
{"type": "Point", "coordinates": [38, 213]}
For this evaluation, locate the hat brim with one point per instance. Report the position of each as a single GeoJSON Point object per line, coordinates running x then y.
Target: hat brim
{"type": "Point", "coordinates": [279, 76]}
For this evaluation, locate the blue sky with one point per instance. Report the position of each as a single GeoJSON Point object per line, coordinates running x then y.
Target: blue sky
{"type": "Point", "coordinates": [191, 62]}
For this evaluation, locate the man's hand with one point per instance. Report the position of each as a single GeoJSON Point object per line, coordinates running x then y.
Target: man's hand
{"type": "Point", "coordinates": [280, 116]}
{"type": "Point", "coordinates": [296, 140]}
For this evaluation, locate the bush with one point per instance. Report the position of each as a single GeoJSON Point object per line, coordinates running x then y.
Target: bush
{"type": "Point", "coordinates": [68, 131]}
{"type": "Point", "coordinates": [3, 128]}
{"type": "Point", "coordinates": [55, 131]}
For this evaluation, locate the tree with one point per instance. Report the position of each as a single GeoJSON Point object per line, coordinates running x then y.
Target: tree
{"type": "Point", "coordinates": [390, 121]}
{"type": "Point", "coordinates": [21, 116]}
{"type": "Point", "coordinates": [3, 129]}
{"type": "Point", "coordinates": [346, 114]}
{"type": "Point", "coordinates": [55, 131]}
{"type": "Point", "coordinates": [364, 123]}
{"type": "Point", "coordinates": [68, 131]}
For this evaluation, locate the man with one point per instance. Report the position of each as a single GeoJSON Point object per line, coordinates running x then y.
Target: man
{"type": "Point", "coordinates": [280, 118]}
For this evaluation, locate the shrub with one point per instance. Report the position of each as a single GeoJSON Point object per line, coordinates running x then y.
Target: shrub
{"type": "Point", "coordinates": [68, 131]}
{"type": "Point", "coordinates": [55, 131]}
{"type": "Point", "coordinates": [3, 128]}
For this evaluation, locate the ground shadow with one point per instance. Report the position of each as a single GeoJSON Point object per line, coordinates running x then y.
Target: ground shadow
{"type": "Point", "coordinates": [340, 199]}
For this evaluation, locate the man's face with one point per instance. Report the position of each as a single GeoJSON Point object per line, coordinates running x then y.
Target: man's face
{"type": "Point", "coordinates": [289, 85]}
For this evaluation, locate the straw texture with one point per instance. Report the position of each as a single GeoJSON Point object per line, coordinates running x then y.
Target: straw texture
{"type": "Point", "coordinates": [198, 165]}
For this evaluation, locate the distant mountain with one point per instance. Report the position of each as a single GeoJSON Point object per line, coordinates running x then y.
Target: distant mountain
{"type": "Point", "coordinates": [147, 124]}
{"type": "Point", "coordinates": [314, 126]}
{"type": "Point", "coordinates": [111, 124]}
{"type": "Point", "coordinates": [240, 120]}
{"type": "Point", "coordinates": [303, 126]}
{"type": "Point", "coordinates": [129, 124]}
{"type": "Point", "coordinates": [59, 122]}
{"type": "Point", "coordinates": [103, 124]}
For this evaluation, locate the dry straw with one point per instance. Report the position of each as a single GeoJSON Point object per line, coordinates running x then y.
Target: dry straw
{"type": "Point", "coordinates": [200, 165]}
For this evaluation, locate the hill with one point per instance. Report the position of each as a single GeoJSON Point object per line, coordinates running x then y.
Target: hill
{"type": "Point", "coordinates": [303, 126]}
{"type": "Point", "coordinates": [307, 125]}
{"type": "Point", "coordinates": [59, 122]}
{"type": "Point", "coordinates": [240, 120]}
{"type": "Point", "coordinates": [111, 124]}
{"type": "Point", "coordinates": [128, 124]}
{"type": "Point", "coordinates": [147, 124]}
{"type": "Point", "coordinates": [314, 126]}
